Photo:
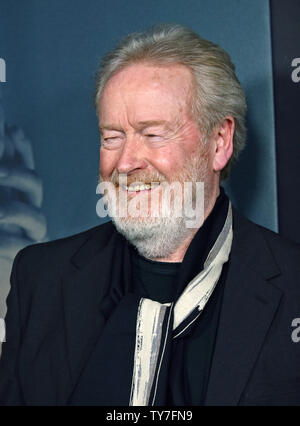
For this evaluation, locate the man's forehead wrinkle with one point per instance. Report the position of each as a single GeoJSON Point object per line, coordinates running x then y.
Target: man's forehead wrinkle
{"type": "Point", "coordinates": [113, 121]}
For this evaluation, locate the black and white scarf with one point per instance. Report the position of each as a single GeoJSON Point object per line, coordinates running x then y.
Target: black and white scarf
{"type": "Point", "coordinates": [155, 321]}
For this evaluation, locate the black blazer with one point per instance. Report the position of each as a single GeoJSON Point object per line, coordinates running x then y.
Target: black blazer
{"type": "Point", "coordinates": [53, 317]}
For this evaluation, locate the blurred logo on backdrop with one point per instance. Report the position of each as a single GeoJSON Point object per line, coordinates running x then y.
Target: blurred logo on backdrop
{"type": "Point", "coordinates": [21, 220]}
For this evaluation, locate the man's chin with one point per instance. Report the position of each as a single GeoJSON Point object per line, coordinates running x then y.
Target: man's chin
{"type": "Point", "coordinates": [138, 225]}
{"type": "Point", "coordinates": [154, 237]}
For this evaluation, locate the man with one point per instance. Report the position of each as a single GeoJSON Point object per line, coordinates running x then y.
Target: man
{"type": "Point", "coordinates": [149, 310]}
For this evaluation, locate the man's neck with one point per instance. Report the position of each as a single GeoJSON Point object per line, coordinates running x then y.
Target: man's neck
{"type": "Point", "coordinates": [179, 253]}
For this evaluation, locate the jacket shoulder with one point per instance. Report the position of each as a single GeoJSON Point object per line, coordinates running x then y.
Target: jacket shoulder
{"type": "Point", "coordinates": [56, 252]}
{"type": "Point", "coordinates": [285, 252]}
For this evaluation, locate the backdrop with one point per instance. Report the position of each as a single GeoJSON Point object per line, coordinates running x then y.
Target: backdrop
{"type": "Point", "coordinates": [49, 51]}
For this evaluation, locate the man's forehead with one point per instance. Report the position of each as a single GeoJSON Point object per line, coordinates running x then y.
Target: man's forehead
{"type": "Point", "coordinates": [135, 94]}
{"type": "Point", "coordinates": [141, 75]}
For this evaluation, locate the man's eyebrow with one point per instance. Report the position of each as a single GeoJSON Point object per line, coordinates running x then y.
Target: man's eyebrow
{"type": "Point", "coordinates": [110, 127]}
{"type": "Point", "coordinates": [140, 125]}
{"type": "Point", "coordinates": [150, 123]}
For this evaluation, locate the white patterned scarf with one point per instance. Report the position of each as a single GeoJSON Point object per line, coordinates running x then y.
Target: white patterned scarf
{"type": "Point", "coordinates": [156, 321]}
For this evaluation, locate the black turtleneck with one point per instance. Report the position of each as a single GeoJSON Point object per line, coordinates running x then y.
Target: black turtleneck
{"type": "Point", "coordinates": [155, 279]}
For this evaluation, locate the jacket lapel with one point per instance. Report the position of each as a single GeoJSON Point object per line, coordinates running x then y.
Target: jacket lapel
{"type": "Point", "coordinates": [90, 269]}
{"type": "Point", "coordinates": [249, 305]}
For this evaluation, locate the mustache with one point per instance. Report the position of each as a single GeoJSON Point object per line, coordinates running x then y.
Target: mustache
{"type": "Point", "coordinates": [127, 179]}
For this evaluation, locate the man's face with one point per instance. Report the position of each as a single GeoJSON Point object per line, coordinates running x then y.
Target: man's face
{"type": "Point", "coordinates": [148, 132]}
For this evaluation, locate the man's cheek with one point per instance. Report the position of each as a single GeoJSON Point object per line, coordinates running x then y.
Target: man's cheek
{"type": "Point", "coordinates": [107, 164]}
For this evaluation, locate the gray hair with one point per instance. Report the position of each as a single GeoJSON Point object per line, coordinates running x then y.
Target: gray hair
{"type": "Point", "coordinates": [217, 90]}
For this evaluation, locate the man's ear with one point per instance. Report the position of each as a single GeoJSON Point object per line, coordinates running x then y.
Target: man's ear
{"type": "Point", "coordinates": [223, 138]}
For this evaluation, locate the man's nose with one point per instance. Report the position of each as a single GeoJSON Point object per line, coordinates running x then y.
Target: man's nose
{"type": "Point", "coordinates": [132, 156]}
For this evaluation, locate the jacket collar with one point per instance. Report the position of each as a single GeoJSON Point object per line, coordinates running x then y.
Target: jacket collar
{"type": "Point", "coordinates": [249, 305]}
{"type": "Point", "coordinates": [85, 284]}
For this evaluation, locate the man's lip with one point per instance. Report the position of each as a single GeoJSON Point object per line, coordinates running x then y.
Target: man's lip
{"type": "Point", "coordinates": [122, 188]}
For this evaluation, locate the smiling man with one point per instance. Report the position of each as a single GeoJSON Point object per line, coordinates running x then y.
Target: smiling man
{"type": "Point", "coordinates": [150, 136]}
{"type": "Point", "coordinates": [147, 309]}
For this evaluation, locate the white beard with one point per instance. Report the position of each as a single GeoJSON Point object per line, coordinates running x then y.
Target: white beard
{"type": "Point", "coordinates": [159, 237]}
{"type": "Point", "coordinates": [156, 237]}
